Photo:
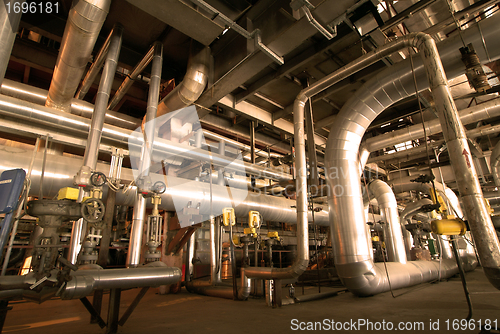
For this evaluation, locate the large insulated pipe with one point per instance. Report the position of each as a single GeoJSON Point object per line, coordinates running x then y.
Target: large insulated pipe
{"type": "Point", "coordinates": [139, 213]}
{"type": "Point", "coordinates": [357, 114]}
{"type": "Point", "coordinates": [107, 78]}
{"type": "Point", "coordinates": [301, 261]}
{"type": "Point", "coordinates": [30, 112]}
{"type": "Point", "coordinates": [354, 263]}
{"type": "Point", "coordinates": [191, 87]}
{"type": "Point", "coordinates": [85, 109]}
{"type": "Point", "coordinates": [59, 172]}
{"type": "Point", "coordinates": [495, 164]}
{"type": "Point", "coordinates": [84, 282]}
{"type": "Point", "coordinates": [78, 107]}
{"type": "Point", "coordinates": [95, 68]}
{"type": "Point", "coordinates": [9, 24]}
{"type": "Point", "coordinates": [388, 205]}
{"type": "Point", "coordinates": [470, 115]}
{"type": "Point", "coordinates": [85, 20]}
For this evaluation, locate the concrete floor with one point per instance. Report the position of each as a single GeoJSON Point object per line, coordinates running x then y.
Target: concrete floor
{"type": "Point", "coordinates": [190, 313]}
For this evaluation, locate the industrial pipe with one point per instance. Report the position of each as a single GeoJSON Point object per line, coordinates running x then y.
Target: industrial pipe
{"type": "Point", "coordinates": [84, 23]}
{"type": "Point", "coordinates": [9, 21]}
{"type": "Point", "coordinates": [302, 256]}
{"type": "Point", "coordinates": [346, 209]}
{"type": "Point", "coordinates": [470, 115]}
{"type": "Point", "coordinates": [59, 173]}
{"type": "Point", "coordinates": [129, 80]}
{"type": "Point", "coordinates": [30, 112]}
{"type": "Point", "coordinates": [393, 235]}
{"type": "Point", "coordinates": [139, 213]}
{"type": "Point", "coordinates": [95, 68]}
{"type": "Point", "coordinates": [108, 75]}
{"type": "Point", "coordinates": [84, 282]}
{"type": "Point", "coordinates": [495, 164]}
{"type": "Point", "coordinates": [191, 87]}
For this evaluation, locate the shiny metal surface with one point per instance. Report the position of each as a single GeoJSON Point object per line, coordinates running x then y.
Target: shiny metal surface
{"type": "Point", "coordinates": [102, 97]}
{"type": "Point", "coordinates": [139, 213]}
{"type": "Point", "coordinates": [301, 260]}
{"type": "Point", "coordinates": [9, 24]}
{"type": "Point", "coordinates": [136, 232]}
{"type": "Point", "coordinates": [129, 80]}
{"type": "Point", "coordinates": [84, 23]}
{"type": "Point", "coordinates": [95, 68]}
{"type": "Point", "coordinates": [342, 149]}
{"type": "Point", "coordinates": [77, 236]}
{"type": "Point", "coordinates": [467, 116]}
{"type": "Point", "coordinates": [78, 107]}
{"type": "Point", "coordinates": [30, 112]}
{"type": "Point", "coordinates": [495, 164]}
{"type": "Point", "coordinates": [353, 259]}
{"type": "Point", "coordinates": [86, 281]}
{"type": "Point", "coordinates": [59, 173]}
{"type": "Point", "coordinates": [393, 235]}
{"type": "Point", "coordinates": [191, 87]}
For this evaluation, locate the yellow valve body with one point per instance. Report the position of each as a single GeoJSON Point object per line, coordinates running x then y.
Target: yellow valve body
{"type": "Point", "coordinates": [448, 227]}
{"type": "Point", "coordinates": [228, 216]}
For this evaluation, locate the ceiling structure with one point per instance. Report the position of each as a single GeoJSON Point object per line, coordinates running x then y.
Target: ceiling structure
{"type": "Point", "coordinates": [247, 85]}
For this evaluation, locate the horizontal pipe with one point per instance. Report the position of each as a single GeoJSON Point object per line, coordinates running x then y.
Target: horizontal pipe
{"type": "Point", "coordinates": [30, 112]}
{"type": "Point", "coordinates": [470, 115]}
{"type": "Point", "coordinates": [84, 282]}
{"type": "Point", "coordinates": [59, 172]}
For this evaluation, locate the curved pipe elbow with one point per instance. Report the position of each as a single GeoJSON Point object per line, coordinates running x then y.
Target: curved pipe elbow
{"type": "Point", "coordinates": [191, 87]}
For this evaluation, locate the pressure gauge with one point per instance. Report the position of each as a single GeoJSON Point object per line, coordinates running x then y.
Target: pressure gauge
{"type": "Point", "coordinates": [98, 179]}
{"type": "Point", "coordinates": [159, 187]}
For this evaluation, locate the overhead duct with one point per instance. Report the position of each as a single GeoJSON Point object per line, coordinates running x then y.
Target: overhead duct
{"type": "Point", "coordinates": [59, 174]}
{"type": "Point", "coordinates": [191, 87]}
{"type": "Point", "coordinates": [380, 92]}
{"type": "Point", "coordinates": [85, 20]}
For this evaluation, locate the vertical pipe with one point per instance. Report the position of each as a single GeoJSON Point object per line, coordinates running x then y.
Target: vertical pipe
{"type": "Point", "coordinates": [139, 214]}
{"type": "Point", "coordinates": [311, 145]}
{"type": "Point", "coordinates": [213, 251]}
{"type": "Point", "coordinates": [465, 173]}
{"type": "Point", "coordinates": [220, 172]}
{"type": "Point", "coordinates": [189, 257]}
{"type": "Point", "coordinates": [108, 74]}
{"type": "Point", "coordinates": [135, 243]}
{"type": "Point", "coordinates": [95, 68]}
{"type": "Point", "coordinates": [9, 24]}
{"type": "Point", "coordinates": [129, 80]}
{"type": "Point", "coordinates": [252, 142]}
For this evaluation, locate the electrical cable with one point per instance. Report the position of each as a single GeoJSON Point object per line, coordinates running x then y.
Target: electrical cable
{"type": "Point", "coordinates": [378, 233]}
{"type": "Point", "coordinates": [431, 175]}
{"type": "Point", "coordinates": [454, 247]}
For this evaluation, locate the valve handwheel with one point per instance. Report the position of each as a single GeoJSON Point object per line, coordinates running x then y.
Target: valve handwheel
{"type": "Point", "coordinates": [98, 179]}
{"type": "Point", "coordinates": [92, 210]}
